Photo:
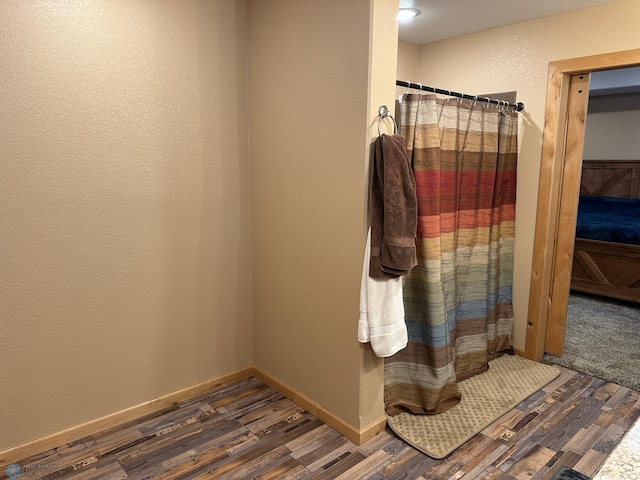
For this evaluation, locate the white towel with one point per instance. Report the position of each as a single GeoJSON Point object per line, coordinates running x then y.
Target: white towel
{"type": "Point", "coordinates": [381, 311]}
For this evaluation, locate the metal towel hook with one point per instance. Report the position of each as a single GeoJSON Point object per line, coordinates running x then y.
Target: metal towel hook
{"type": "Point", "coordinates": [384, 112]}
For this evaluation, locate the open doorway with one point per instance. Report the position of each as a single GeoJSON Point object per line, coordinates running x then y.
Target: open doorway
{"type": "Point", "coordinates": [558, 195]}
{"type": "Point", "coordinates": [606, 259]}
{"type": "Point", "coordinates": [603, 311]}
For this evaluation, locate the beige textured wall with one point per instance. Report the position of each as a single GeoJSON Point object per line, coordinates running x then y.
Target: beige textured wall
{"type": "Point", "coordinates": [381, 83]}
{"type": "Point", "coordinates": [407, 61]}
{"type": "Point", "coordinates": [314, 87]}
{"type": "Point", "coordinates": [125, 239]}
{"type": "Point", "coordinates": [611, 132]}
{"type": "Point", "coordinates": [517, 57]}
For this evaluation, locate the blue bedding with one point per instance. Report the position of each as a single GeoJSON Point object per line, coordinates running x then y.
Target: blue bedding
{"type": "Point", "coordinates": [609, 219]}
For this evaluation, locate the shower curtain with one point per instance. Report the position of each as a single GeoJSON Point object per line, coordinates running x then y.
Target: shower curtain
{"type": "Point", "coordinates": [458, 298]}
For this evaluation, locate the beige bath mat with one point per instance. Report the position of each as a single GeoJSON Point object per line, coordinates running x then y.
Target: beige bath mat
{"type": "Point", "coordinates": [485, 398]}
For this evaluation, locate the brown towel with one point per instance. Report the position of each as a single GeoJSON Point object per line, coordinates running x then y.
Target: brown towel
{"type": "Point", "coordinates": [394, 210]}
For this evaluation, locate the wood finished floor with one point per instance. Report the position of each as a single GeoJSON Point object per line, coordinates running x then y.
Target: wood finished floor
{"type": "Point", "coordinates": [246, 430]}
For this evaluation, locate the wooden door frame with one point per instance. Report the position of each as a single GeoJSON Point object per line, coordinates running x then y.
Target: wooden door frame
{"type": "Point", "coordinates": [552, 168]}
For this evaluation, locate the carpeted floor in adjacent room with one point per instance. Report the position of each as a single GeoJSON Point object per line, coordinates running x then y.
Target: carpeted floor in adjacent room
{"type": "Point", "coordinates": [602, 339]}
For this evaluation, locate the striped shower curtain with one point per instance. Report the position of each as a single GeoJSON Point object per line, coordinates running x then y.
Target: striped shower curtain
{"type": "Point", "coordinates": [458, 299]}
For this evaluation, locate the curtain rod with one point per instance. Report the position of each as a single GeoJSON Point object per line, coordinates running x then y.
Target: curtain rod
{"type": "Point", "coordinates": [518, 107]}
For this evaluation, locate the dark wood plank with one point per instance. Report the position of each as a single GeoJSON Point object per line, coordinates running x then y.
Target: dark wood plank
{"type": "Point", "coordinates": [342, 464]}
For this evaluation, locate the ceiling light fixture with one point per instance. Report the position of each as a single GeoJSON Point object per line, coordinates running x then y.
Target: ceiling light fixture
{"type": "Point", "coordinates": [407, 13]}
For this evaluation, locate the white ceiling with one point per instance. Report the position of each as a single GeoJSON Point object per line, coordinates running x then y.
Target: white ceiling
{"type": "Point", "coordinates": [440, 19]}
